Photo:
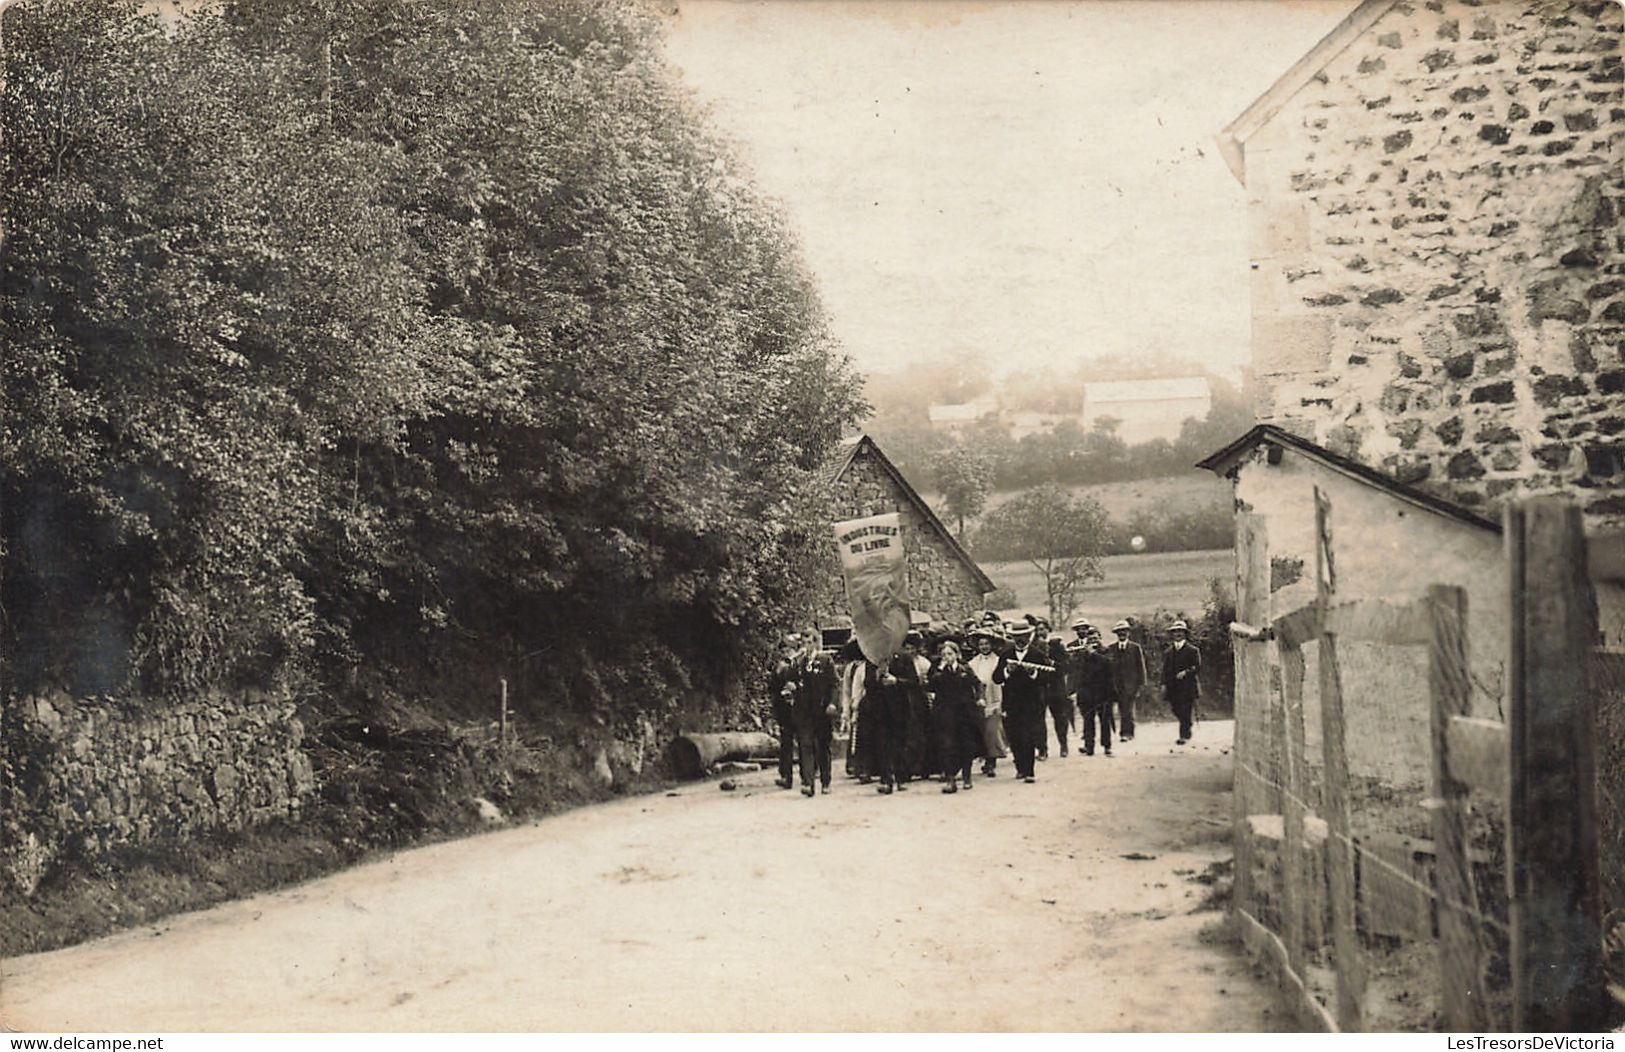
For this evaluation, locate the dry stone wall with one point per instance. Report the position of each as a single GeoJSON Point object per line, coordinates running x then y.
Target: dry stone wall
{"type": "Point", "coordinates": [938, 582]}
{"type": "Point", "coordinates": [1439, 263]}
{"type": "Point", "coordinates": [82, 777]}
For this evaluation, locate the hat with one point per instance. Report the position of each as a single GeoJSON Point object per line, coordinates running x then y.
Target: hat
{"type": "Point", "coordinates": [1020, 628]}
{"type": "Point", "coordinates": [913, 638]}
{"type": "Point", "coordinates": [1082, 622]}
{"type": "Point", "coordinates": [1121, 626]}
{"type": "Point", "coordinates": [990, 617]}
{"type": "Point", "coordinates": [1179, 626]}
{"type": "Point", "coordinates": [982, 633]}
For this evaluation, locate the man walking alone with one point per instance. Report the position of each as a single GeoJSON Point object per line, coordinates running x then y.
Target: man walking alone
{"type": "Point", "coordinates": [1181, 664]}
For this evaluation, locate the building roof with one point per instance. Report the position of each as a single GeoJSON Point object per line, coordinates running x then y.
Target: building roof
{"type": "Point", "coordinates": [1224, 460]}
{"type": "Point", "coordinates": [849, 452]}
{"type": "Point", "coordinates": [1166, 390]}
{"type": "Point", "coordinates": [1232, 140]}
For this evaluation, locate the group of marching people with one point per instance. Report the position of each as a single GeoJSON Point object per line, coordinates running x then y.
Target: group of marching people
{"type": "Point", "coordinates": [942, 704]}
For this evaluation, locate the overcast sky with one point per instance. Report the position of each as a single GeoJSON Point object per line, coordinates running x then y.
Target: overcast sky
{"type": "Point", "coordinates": [1032, 179]}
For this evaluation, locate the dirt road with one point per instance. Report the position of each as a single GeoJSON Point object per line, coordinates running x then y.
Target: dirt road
{"type": "Point", "coordinates": [1009, 907]}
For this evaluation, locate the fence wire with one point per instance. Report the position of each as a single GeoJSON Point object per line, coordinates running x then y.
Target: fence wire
{"type": "Point", "coordinates": [1608, 690]}
{"type": "Point", "coordinates": [1371, 794]}
{"type": "Point", "coordinates": [1342, 806]}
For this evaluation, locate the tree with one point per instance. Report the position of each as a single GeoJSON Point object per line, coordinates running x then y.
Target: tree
{"type": "Point", "coordinates": [965, 478]}
{"type": "Point", "coordinates": [395, 337]}
{"type": "Point", "coordinates": [1062, 536]}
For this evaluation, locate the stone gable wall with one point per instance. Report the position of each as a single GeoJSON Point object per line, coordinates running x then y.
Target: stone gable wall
{"type": "Point", "coordinates": [86, 776]}
{"type": "Point", "coordinates": [938, 583]}
{"type": "Point", "coordinates": [1439, 262]}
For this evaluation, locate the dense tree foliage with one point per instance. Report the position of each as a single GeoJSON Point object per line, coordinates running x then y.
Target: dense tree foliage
{"type": "Point", "coordinates": [358, 343]}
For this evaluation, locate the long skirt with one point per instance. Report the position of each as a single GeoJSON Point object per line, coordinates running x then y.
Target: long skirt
{"type": "Point", "coordinates": [995, 746]}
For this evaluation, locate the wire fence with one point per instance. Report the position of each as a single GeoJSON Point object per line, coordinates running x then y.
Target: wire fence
{"type": "Point", "coordinates": [1372, 794]}
{"type": "Point", "coordinates": [1608, 688]}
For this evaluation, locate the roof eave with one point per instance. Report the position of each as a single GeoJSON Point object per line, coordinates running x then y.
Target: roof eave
{"type": "Point", "coordinates": [1223, 460]}
{"type": "Point", "coordinates": [919, 503]}
{"type": "Point", "coordinates": [1232, 140]}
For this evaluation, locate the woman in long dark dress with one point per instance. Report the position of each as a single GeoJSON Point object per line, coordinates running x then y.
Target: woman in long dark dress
{"type": "Point", "coordinates": [956, 716]}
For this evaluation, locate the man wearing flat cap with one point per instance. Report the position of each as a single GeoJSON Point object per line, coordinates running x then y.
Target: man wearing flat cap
{"type": "Point", "coordinates": [1181, 665]}
{"type": "Point", "coordinates": [1128, 673]}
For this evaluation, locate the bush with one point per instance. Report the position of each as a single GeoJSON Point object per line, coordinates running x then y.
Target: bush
{"type": "Point", "coordinates": [1209, 633]}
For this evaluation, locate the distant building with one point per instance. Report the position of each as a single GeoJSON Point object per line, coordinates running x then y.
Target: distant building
{"type": "Point", "coordinates": [962, 416]}
{"type": "Point", "coordinates": [943, 580]}
{"type": "Point", "coordinates": [1147, 409]}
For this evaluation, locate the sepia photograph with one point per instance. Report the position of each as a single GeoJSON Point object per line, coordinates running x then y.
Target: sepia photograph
{"type": "Point", "coordinates": [517, 515]}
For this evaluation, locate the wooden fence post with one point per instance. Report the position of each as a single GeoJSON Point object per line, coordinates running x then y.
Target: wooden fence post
{"type": "Point", "coordinates": [1461, 954]}
{"type": "Point", "coordinates": [1351, 972]}
{"type": "Point", "coordinates": [1552, 850]}
{"type": "Point", "coordinates": [1252, 686]}
{"type": "Point", "coordinates": [1300, 897]}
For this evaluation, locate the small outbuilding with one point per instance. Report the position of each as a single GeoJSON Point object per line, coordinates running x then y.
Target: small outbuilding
{"type": "Point", "coordinates": [942, 577]}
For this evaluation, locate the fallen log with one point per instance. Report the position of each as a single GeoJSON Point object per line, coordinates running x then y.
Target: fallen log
{"type": "Point", "coordinates": [693, 754]}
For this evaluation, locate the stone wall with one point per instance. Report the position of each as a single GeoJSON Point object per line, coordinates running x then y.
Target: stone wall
{"type": "Point", "coordinates": [1439, 266]}
{"type": "Point", "coordinates": [938, 582]}
{"type": "Point", "coordinates": [83, 777]}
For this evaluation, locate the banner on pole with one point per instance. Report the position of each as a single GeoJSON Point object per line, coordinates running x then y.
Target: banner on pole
{"type": "Point", "coordinates": [873, 563]}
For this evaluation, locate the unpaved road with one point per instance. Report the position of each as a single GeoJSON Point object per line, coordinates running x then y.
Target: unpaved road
{"type": "Point", "coordinates": [1006, 908]}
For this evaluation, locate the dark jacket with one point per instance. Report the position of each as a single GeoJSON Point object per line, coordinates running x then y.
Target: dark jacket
{"type": "Point", "coordinates": [1056, 687]}
{"type": "Point", "coordinates": [1182, 659]}
{"type": "Point", "coordinates": [956, 687]}
{"type": "Point", "coordinates": [1024, 687]}
{"type": "Point", "coordinates": [898, 694]}
{"type": "Point", "coordinates": [816, 688]}
{"type": "Point", "coordinates": [1128, 667]}
{"type": "Point", "coordinates": [1092, 674]}
{"type": "Point", "coordinates": [777, 695]}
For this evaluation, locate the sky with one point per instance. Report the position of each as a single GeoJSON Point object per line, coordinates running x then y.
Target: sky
{"type": "Point", "coordinates": [1033, 181]}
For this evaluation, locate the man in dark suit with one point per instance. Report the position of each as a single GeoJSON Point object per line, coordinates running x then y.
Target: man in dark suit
{"type": "Point", "coordinates": [1181, 666]}
{"type": "Point", "coordinates": [888, 690]}
{"type": "Point", "coordinates": [814, 703]}
{"type": "Point", "coordinates": [1055, 699]}
{"type": "Point", "coordinates": [781, 693]}
{"type": "Point", "coordinates": [1023, 672]}
{"type": "Point", "coordinates": [1129, 675]}
{"type": "Point", "coordinates": [1092, 674]}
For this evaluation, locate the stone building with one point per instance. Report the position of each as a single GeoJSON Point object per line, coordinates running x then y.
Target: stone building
{"type": "Point", "coordinates": [1434, 194]}
{"type": "Point", "coordinates": [943, 580]}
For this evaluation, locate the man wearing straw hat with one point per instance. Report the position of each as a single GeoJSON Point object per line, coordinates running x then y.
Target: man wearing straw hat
{"type": "Point", "coordinates": [1023, 674]}
{"type": "Point", "coordinates": [1181, 664]}
{"type": "Point", "coordinates": [1129, 676]}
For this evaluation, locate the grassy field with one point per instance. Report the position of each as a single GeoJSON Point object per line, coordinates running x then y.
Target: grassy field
{"type": "Point", "coordinates": [1122, 499]}
{"type": "Point", "coordinates": [1134, 584]}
